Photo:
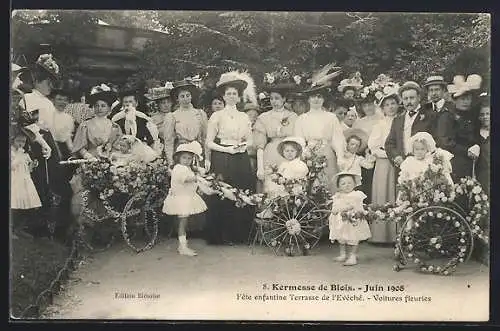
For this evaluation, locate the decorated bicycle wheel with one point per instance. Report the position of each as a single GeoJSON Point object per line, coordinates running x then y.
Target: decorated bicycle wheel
{"type": "Point", "coordinates": [436, 239]}
{"type": "Point", "coordinates": [292, 225]}
{"type": "Point", "coordinates": [97, 229]}
{"type": "Point", "coordinates": [139, 220]}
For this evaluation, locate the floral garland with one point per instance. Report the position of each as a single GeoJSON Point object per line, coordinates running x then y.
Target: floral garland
{"type": "Point", "coordinates": [429, 190]}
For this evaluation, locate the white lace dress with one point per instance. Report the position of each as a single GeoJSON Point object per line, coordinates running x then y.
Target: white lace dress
{"type": "Point", "coordinates": [23, 194]}
{"type": "Point", "coordinates": [342, 231]}
{"type": "Point", "coordinates": [182, 199]}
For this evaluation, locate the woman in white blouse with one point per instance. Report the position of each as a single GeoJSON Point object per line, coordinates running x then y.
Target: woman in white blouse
{"type": "Point", "coordinates": [229, 133]}
{"type": "Point", "coordinates": [384, 175]}
{"type": "Point", "coordinates": [64, 125]}
{"type": "Point", "coordinates": [322, 130]}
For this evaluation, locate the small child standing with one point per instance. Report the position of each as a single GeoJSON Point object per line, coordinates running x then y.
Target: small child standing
{"type": "Point", "coordinates": [182, 199]}
{"type": "Point", "coordinates": [347, 234]}
{"type": "Point", "coordinates": [356, 143]}
{"type": "Point", "coordinates": [423, 148]}
{"type": "Point", "coordinates": [292, 168]}
{"type": "Point", "coordinates": [24, 197]}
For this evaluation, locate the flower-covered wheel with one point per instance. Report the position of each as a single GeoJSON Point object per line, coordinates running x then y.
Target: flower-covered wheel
{"type": "Point", "coordinates": [292, 225]}
{"type": "Point", "coordinates": [436, 239]}
{"type": "Point", "coordinates": [139, 220]}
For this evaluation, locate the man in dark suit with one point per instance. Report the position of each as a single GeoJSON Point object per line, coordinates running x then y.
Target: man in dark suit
{"type": "Point", "coordinates": [436, 88]}
{"type": "Point", "coordinates": [414, 119]}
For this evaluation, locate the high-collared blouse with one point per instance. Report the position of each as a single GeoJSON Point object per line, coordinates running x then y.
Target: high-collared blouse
{"type": "Point", "coordinates": [184, 126]}
{"type": "Point", "coordinates": [64, 126]}
{"type": "Point", "coordinates": [46, 109]}
{"type": "Point", "coordinates": [321, 125]}
{"type": "Point", "coordinates": [230, 126]}
{"type": "Point", "coordinates": [95, 132]}
{"type": "Point", "coordinates": [378, 136]}
{"type": "Point", "coordinates": [273, 124]}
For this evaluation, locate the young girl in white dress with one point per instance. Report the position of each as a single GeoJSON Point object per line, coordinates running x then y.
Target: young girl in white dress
{"type": "Point", "coordinates": [347, 234]}
{"type": "Point", "coordinates": [423, 148]}
{"type": "Point", "coordinates": [182, 199]}
{"type": "Point", "coordinates": [291, 168]}
{"type": "Point", "coordinates": [23, 192]}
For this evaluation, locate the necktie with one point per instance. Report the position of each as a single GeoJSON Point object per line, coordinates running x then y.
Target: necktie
{"type": "Point", "coordinates": [434, 107]}
{"type": "Point", "coordinates": [412, 113]}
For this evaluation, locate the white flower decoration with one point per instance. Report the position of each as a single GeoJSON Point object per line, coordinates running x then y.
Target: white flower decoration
{"type": "Point", "coordinates": [269, 78]}
{"type": "Point", "coordinates": [297, 79]}
{"type": "Point", "coordinates": [100, 88]}
{"type": "Point", "coordinates": [262, 95]}
{"type": "Point", "coordinates": [169, 85]}
{"type": "Point", "coordinates": [379, 95]}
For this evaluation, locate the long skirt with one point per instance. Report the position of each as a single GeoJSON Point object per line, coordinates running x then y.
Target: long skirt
{"type": "Point", "coordinates": [226, 223]}
{"type": "Point", "coordinates": [327, 175]}
{"type": "Point", "coordinates": [366, 183]}
{"type": "Point", "coordinates": [383, 191]}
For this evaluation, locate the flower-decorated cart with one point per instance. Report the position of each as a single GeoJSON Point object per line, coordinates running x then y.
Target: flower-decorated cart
{"type": "Point", "coordinates": [438, 221]}
{"type": "Point", "coordinates": [111, 200]}
{"type": "Point", "coordinates": [293, 221]}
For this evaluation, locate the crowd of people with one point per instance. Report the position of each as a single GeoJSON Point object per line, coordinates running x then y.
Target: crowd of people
{"type": "Point", "coordinates": [369, 134]}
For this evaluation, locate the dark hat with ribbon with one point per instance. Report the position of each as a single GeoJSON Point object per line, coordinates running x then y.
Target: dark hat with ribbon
{"type": "Point", "coordinates": [281, 81]}
{"type": "Point", "coordinates": [101, 92]}
{"type": "Point", "coordinates": [184, 85]}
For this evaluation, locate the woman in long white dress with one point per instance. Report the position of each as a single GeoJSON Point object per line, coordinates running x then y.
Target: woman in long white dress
{"type": "Point", "coordinates": [384, 174]}
{"type": "Point", "coordinates": [322, 130]}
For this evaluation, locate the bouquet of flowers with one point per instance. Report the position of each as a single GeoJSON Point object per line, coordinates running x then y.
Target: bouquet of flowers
{"type": "Point", "coordinates": [105, 179]}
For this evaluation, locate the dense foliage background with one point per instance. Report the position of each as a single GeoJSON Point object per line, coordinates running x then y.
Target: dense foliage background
{"type": "Point", "coordinates": [405, 46]}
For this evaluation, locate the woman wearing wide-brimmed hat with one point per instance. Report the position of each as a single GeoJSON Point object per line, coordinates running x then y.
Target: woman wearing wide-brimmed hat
{"type": "Point", "coordinates": [384, 174]}
{"type": "Point", "coordinates": [98, 131]}
{"type": "Point", "coordinates": [186, 123]}
{"type": "Point", "coordinates": [457, 131]}
{"type": "Point", "coordinates": [320, 127]}
{"type": "Point", "coordinates": [229, 134]}
{"type": "Point", "coordinates": [160, 105]}
{"type": "Point", "coordinates": [274, 125]}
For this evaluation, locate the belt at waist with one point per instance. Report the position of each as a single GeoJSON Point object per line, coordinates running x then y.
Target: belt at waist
{"type": "Point", "coordinates": [229, 142]}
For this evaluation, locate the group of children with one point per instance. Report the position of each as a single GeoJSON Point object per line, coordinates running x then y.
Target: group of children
{"type": "Point", "coordinates": [183, 200]}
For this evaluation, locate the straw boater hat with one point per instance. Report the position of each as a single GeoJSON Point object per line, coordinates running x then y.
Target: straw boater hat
{"type": "Point", "coordinates": [184, 85]}
{"type": "Point", "coordinates": [409, 85]}
{"type": "Point", "coordinates": [351, 132]}
{"type": "Point", "coordinates": [102, 92]}
{"type": "Point", "coordinates": [193, 147]}
{"type": "Point", "coordinates": [462, 86]}
{"type": "Point", "coordinates": [322, 80]}
{"type": "Point", "coordinates": [299, 142]}
{"type": "Point", "coordinates": [46, 63]}
{"type": "Point", "coordinates": [434, 80]}
{"type": "Point", "coordinates": [159, 93]}
{"type": "Point", "coordinates": [357, 177]}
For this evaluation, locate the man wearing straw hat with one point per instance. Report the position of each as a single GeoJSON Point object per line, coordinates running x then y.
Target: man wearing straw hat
{"type": "Point", "coordinates": [436, 87]}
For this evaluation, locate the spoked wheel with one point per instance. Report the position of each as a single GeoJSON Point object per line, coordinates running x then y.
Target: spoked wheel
{"type": "Point", "coordinates": [292, 225]}
{"type": "Point", "coordinates": [436, 238]}
{"type": "Point", "coordinates": [139, 220]}
{"type": "Point", "coordinates": [97, 230]}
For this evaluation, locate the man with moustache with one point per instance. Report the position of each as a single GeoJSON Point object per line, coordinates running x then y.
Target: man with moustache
{"type": "Point", "coordinates": [436, 87]}
{"type": "Point", "coordinates": [414, 119]}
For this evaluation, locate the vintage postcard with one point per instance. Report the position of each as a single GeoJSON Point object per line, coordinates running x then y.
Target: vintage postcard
{"type": "Point", "coordinates": [263, 166]}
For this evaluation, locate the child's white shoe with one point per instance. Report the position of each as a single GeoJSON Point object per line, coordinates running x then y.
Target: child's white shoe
{"type": "Point", "coordinates": [184, 250]}
{"type": "Point", "coordinates": [340, 258]}
{"type": "Point", "coordinates": [352, 260]}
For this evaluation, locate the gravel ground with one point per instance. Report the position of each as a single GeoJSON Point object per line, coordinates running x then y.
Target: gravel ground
{"type": "Point", "coordinates": [229, 283]}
